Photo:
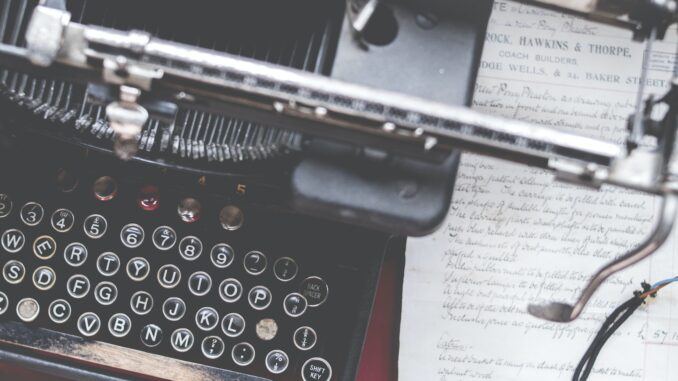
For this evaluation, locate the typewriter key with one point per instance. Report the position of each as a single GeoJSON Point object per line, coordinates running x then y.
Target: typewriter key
{"type": "Point", "coordinates": [316, 369]}
{"type": "Point", "coordinates": [138, 269]}
{"type": "Point", "coordinates": [222, 255]}
{"type": "Point", "coordinates": [95, 226]}
{"type": "Point", "coordinates": [6, 205]}
{"type": "Point", "coordinates": [233, 324]}
{"type": "Point", "coordinates": [89, 324]}
{"type": "Point", "coordinates": [189, 210]}
{"type": "Point", "coordinates": [75, 254]}
{"type": "Point", "coordinates": [230, 290]}
{"type": "Point", "coordinates": [13, 271]}
{"type": "Point", "coordinates": [151, 335]}
{"type": "Point", "coordinates": [141, 302]}
{"type": "Point", "coordinates": [66, 180]}
{"type": "Point", "coordinates": [199, 283]}
{"type": "Point", "coordinates": [266, 329]}
{"type": "Point", "coordinates": [277, 361]}
{"type": "Point", "coordinates": [207, 318]}
{"type": "Point", "coordinates": [105, 188]}
{"type": "Point", "coordinates": [149, 198]}
{"type": "Point", "coordinates": [169, 276]}
{"type": "Point", "coordinates": [231, 218]}
{"type": "Point", "coordinates": [190, 248]}
{"type": "Point", "coordinates": [119, 325]}
{"type": "Point", "coordinates": [44, 247]}
{"type": "Point", "coordinates": [44, 278]}
{"type": "Point", "coordinates": [62, 220]}
{"type": "Point", "coordinates": [295, 304]}
{"type": "Point", "coordinates": [243, 354]}
{"type": "Point", "coordinates": [27, 309]}
{"type": "Point", "coordinates": [305, 338]}
{"type": "Point", "coordinates": [59, 311]}
{"type": "Point", "coordinates": [132, 235]}
{"type": "Point", "coordinates": [108, 264]}
{"type": "Point", "coordinates": [259, 297]}
{"type": "Point", "coordinates": [255, 262]}
{"type": "Point", "coordinates": [315, 290]}
{"type": "Point", "coordinates": [105, 293]}
{"type": "Point", "coordinates": [77, 286]}
{"type": "Point", "coordinates": [174, 309]}
{"type": "Point", "coordinates": [4, 302]}
{"type": "Point", "coordinates": [212, 347]}
{"type": "Point", "coordinates": [32, 213]}
{"type": "Point", "coordinates": [285, 269]}
{"type": "Point", "coordinates": [164, 237]}
{"type": "Point", "coordinates": [182, 340]}
{"type": "Point", "coordinates": [13, 240]}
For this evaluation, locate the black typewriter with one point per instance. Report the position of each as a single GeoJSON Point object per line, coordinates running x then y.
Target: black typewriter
{"type": "Point", "coordinates": [224, 247]}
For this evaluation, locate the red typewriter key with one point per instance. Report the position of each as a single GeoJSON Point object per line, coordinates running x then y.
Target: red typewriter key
{"type": "Point", "coordinates": [149, 198]}
{"type": "Point", "coordinates": [105, 188]}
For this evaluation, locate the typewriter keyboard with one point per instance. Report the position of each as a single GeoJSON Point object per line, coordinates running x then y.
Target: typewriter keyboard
{"type": "Point", "coordinates": [168, 273]}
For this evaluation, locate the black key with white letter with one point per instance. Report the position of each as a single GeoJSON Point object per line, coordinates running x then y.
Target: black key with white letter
{"type": "Point", "coordinates": [164, 237]}
{"type": "Point", "coordinates": [255, 262]}
{"type": "Point", "coordinates": [62, 220]}
{"type": "Point", "coordinates": [222, 255]}
{"type": "Point", "coordinates": [12, 240]}
{"type": "Point", "coordinates": [44, 278]}
{"type": "Point", "coordinates": [13, 271]}
{"type": "Point", "coordinates": [305, 338]}
{"type": "Point", "coordinates": [78, 286]}
{"type": "Point", "coordinates": [259, 297]}
{"type": "Point", "coordinates": [105, 293]}
{"type": "Point", "coordinates": [32, 213]}
{"type": "Point", "coordinates": [207, 318]}
{"type": "Point", "coordinates": [141, 302]}
{"type": "Point", "coordinates": [199, 283]}
{"type": "Point", "coordinates": [95, 226]}
{"type": "Point", "coordinates": [243, 354]}
{"type": "Point", "coordinates": [151, 335]}
{"type": "Point", "coordinates": [6, 205]}
{"type": "Point", "coordinates": [108, 264]}
{"type": "Point", "coordinates": [174, 309]}
{"type": "Point", "coordinates": [277, 361]}
{"type": "Point", "coordinates": [138, 269]}
{"type": "Point", "coordinates": [315, 290]}
{"type": "Point", "coordinates": [75, 254]}
{"type": "Point", "coordinates": [132, 235]}
{"type": "Point", "coordinates": [89, 324]}
{"type": "Point", "coordinates": [182, 340]}
{"type": "Point", "coordinates": [4, 303]}
{"type": "Point", "coordinates": [190, 248]}
{"type": "Point", "coordinates": [233, 324]}
{"type": "Point", "coordinates": [295, 304]}
{"type": "Point", "coordinates": [59, 311]}
{"type": "Point", "coordinates": [316, 369]}
{"type": "Point", "coordinates": [230, 290]}
{"type": "Point", "coordinates": [119, 325]}
{"type": "Point", "coordinates": [44, 247]}
{"type": "Point", "coordinates": [169, 276]}
{"type": "Point", "coordinates": [212, 347]}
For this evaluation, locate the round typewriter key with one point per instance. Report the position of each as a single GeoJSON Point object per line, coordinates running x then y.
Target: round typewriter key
{"type": "Point", "coordinates": [316, 369]}
{"type": "Point", "coordinates": [119, 325]}
{"type": "Point", "coordinates": [105, 188]}
{"type": "Point", "coordinates": [212, 347]}
{"type": "Point", "coordinates": [6, 205]}
{"type": "Point", "coordinates": [77, 286]}
{"type": "Point", "coordinates": [305, 338]}
{"type": "Point", "coordinates": [13, 271]}
{"type": "Point", "coordinates": [149, 198]}
{"type": "Point", "coordinates": [242, 354]}
{"type": "Point", "coordinates": [207, 318]}
{"type": "Point", "coordinates": [164, 237]}
{"type": "Point", "coordinates": [44, 247]}
{"type": "Point", "coordinates": [141, 302]}
{"type": "Point", "coordinates": [95, 226]}
{"type": "Point", "coordinates": [266, 329]}
{"type": "Point", "coordinates": [231, 218]}
{"type": "Point", "coordinates": [295, 304]}
{"type": "Point", "coordinates": [138, 269]}
{"type": "Point", "coordinates": [105, 293]}
{"type": "Point", "coordinates": [44, 278]}
{"type": "Point", "coordinates": [66, 180]}
{"type": "Point", "coordinates": [151, 335]}
{"type": "Point", "coordinates": [277, 361]}
{"type": "Point", "coordinates": [108, 264]}
{"type": "Point", "coordinates": [132, 235]}
{"type": "Point", "coordinates": [169, 276]}
{"type": "Point", "coordinates": [89, 324]}
{"type": "Point", "coordinates": [233, 324]}
{"type": "Point", "coordinates": [255, 262]}
{"type": "Point", "coordinates": [222, 255]}
{"type": "Point", "coordinates": [285, 269]}
{"type": "Point", "coordinates": [13, 240]}
{"type": "Point", "coordinates": [27, 309]}
{"type": "Point", "coordinates": [190, 248]}
{"type": "Point", "coordinates": [199, 283]}
{"type": "Point", "coordinates": [181, 339]}
{"type": "Point", "coordinates": [4, 303]}
{"type": "Point", "coordinates": [59, 311]}
{"type": "Point", "coordinates": [230, 290]}
{"type": "Point", "coordinates": [75, 254]}
{"type": "Point", "coordinates": [32, 213]}
{"type": "Point", "coordinates": [259, 297]}
{"type": "Point", "coordinates": [315, 290]}
{"type": "Point", "coordinates": [174, 309]}
{"type": "Point", "coordinates": [62, 220]}
{"type": "Point", "coordinates": [189, 210]}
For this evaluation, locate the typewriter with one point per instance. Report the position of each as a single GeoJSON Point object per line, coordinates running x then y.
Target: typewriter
{"type": "Point", "coordinates": [222, 247]}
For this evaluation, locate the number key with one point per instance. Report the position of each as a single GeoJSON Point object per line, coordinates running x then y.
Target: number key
{"type": "Point", "coordinates": [164, 237]}
{"type": "Point", "coordinates": [62, 220]}
{"type": "Point", "coordinates": [32, 213]}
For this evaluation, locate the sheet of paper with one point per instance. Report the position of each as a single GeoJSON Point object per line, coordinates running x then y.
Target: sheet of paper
{"type": "Point", "coordinates": [514, 236]}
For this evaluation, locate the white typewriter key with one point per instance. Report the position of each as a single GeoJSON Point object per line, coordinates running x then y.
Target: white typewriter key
{"type": "Point", "coordinates": [295, 304]}
{"type": "Point", "coordinates": [189, 210]}
{"type": "Point", "coordinates": [95, 226]}
{"type": "Point", "coordinates": [199, 283]}
{"type": "Point", "coordinates": [231, 218]}
{"type": "Point", "coordinates": [190, 248]}
{"type": "Point", "coordinates": [105, 188]}
{"type": "Point", "coordinates": [285, 269]}
{"type": "Point", "coordinates": [75, 254]}
{"type": "Point", "coordinates": [212, 347]}
{"type": "Point", "coordinates": [267, 329]}
{"type": "Point", "coordinates": [151, 335]}
{"type": "Point", "coordinates": [32, 213]}
{"type": "Point", "coordinates": [259, 297]}
{"type": "Point", "coordinates": [316, 369]}
{"type": "Point", "coordinates": [243, 354]}
{"type": "Point", "coordinates": [305, 338]}
{"type": "Point", "coordinates": [255, 262]}
{"type": "Point", "coordinates": [233, 324]}
{"type": "Point", "coordinates": [89, 324]}
{"type": "Point", "coordinates": [13, 271]}
{"type": "Point", "coordinates": [59, 311]}
{"type": "Point", "coordinates": [77, 286]}
{"type": "Point", "coordinates": [169, 276]}
{"type": "Point", "coordinates": [12, 240]}
{"type": "Point", "coordinates": [4, 303]}
{"type": "Point", "coordinates": [207, 318]}
{"type": "Point", "coordinates": [182, 340]}
{"type": "Point", "coordinates": [174, 309]}
{"type": "Point", "coordinates": [105, 293]}
{"type": "Point", "coordinates": [44, 247]}
{"type": "Point", "coordinates": [138, 269]}
{"type": "Point", "coordinates": [141, 302]}
{"type": "Point", "coordinates": [27, 309]}
{"type": "Point", "coordinates": [108, 264]}
{"type": "Point", "coordinates": [62, 220]}
{"type": "Point", "coordinates": [6, 205]}
{"type": "Point", "coordinates": [222, 255]}
{"type": "Point", "coordinates": [230, 290]}
{"type": "Point", "coordinates": [132, 235]}
{"type": "Point", "coordinates": [277, 361]}
{"type": "Point", "coordinates": [119, 325]}
{"type": "Point", "coordinates": [164, 238]}
{"type": "Point", "coordinates": [44, 278]}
